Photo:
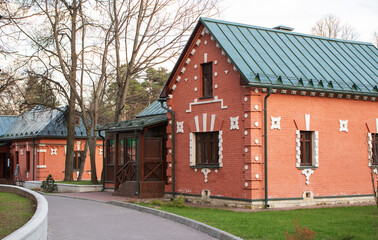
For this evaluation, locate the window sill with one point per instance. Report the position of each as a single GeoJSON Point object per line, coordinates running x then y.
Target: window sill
{"type": "Point", "coordinates": [204, 98]}
{"type": "Point", "coordinates": [206, 166]}
{"type": "Point", "coordinates": [307, 167]}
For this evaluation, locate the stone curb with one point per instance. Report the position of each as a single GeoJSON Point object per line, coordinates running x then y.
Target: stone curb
{"type": "Point", "coordinates": [214, 232]}
{"type": "Point", "coordinates": [36, 227]}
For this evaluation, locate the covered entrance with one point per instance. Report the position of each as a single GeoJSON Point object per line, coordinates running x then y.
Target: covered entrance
{"type": "Point", "coordinates": [6, 163]}
{"type": "Point", "coordinates": [135, 156]}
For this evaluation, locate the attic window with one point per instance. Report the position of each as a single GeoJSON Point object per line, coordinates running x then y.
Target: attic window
{"type": "Point", "coordinates": [207, 80]}
{"type": "Point", "coordinates": [77, 120]}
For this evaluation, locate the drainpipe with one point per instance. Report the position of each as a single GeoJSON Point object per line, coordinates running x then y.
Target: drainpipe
{"type": "Point", "coordinates": [33, 158]}
{"type": "Point", "coordinates": [137, 162]}
{"type": "Point", "coordinates": [161, 100]}
{"type": "Point", "coordinates": [103, 160]}
{"type": "Point", "coordinates": [266, 145]}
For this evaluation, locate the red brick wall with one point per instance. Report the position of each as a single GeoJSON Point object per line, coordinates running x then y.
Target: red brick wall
{"type": "Point", "coordinates": [46, 163]}
{"type": "Point", "coordinates": [229, 180]}
{"type": "Point", "coordinates": [343, 156]}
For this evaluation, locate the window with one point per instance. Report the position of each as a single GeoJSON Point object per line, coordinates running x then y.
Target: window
{"type": "Point", "coordinates": [207, 148]}
{"type": "Point", "coordinates": [28, 161]}
{"type": "Point", "coordinates": [17, 158]}
{"type": "Point", "coordinates": [375, 148]}
{"type": "Point", "coordinates": [306, 148]}
{"type": "Point", "coordinates": [131, 149]}
{"type": "Point", "coordinates": [77, 160]}
{"type": "Point", "coordinates": [77, 120]}
{"type": "Point", "coordinates": [207, 80]}
{"type": "Point", "coordinates": [110, 150]}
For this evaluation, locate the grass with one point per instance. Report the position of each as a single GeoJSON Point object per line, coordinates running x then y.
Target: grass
{"type": "Point", "coordinates": [82, 182]}
{"type": "Point", "coordinates": [341, 223]}
{"type": "Point", "coordinates": [15, 211]}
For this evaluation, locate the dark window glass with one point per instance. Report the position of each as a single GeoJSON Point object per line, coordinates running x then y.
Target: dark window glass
{"type": "Point", "coordinates": [375, 148]}
{"type": "Point", "coordinates": [121, 160]}
{"type": "Point", "coordinates": [28, 161]}
{"type": "Point", "coordinates": [130, 149]}
{"type": "Point", "coordinates": [17, 158]}
{"type": "Point", "coordinates": [207, 80]}
{"type": "Point", "coordinates": [110, 150]}
{"type": "Point", "coordinates": [306, 148]}
{"type": "Point", "coordinates": [77, 160]}
{"type": "Point", "coordinates": [207, 148]}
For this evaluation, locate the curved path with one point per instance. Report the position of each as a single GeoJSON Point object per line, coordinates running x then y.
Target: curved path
{"type": "Point", "coordinates": [71, 218]}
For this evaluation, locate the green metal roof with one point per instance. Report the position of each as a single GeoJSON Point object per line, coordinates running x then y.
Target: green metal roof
{"type": "Point", "coordinates": [267, 57]}
{"type": "Point", "coordinates": [135, 124]}
{"type": "Point", "coordinates": [152, 110]}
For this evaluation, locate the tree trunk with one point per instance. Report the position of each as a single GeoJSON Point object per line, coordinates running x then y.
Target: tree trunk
{"type": "Point", "coordinates": [92, 150]}
{"type": "Point", "coordinates": [68, 174]}
{"type": "Point", "coordinates": [82, 164]}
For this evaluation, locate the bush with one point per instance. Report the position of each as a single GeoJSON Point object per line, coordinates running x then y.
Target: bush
{"type": "Point", "coordinates": [300, 233]}
{"type": "Point", "coordinates": [49, 185]}
{"type": "Point", "coordinates": [157, 202]}
{"type": "Point", "coordinates": [177, 202]}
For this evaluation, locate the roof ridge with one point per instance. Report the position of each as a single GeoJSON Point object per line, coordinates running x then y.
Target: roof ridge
{"type": "Point", "coordinates": [285, 32]}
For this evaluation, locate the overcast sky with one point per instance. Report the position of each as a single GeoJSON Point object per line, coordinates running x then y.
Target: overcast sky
{"type": "Point", "coordinates": [301, 15]}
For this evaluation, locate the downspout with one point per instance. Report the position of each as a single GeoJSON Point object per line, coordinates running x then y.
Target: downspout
{"type": "Point", "coordinates": [266, 205]}
{"type": "Point", "coordinates": [33, 158]}
{"type": "Point", "coordinates": [103, 161]}
{"type": "Point", "coordinates": [161, 100]}
{"type": "Point", "coordinates": [137, 162]}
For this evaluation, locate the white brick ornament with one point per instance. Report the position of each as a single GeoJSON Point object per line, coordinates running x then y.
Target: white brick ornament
{"type": "Point", "coordinates": [234, 123]}
{"type": "Point", "coordinates": [180, 127]}
{"type": "Point", "coordinates": [276, 123]}
{"type": "Point", "coordinates": [343, 125]}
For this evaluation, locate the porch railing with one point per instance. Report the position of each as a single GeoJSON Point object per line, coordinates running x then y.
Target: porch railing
{"type": "Point", "coordinates": [127, 172]}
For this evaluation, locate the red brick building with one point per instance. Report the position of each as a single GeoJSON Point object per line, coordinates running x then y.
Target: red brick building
{"type": "Point", "coordinates": [269, 117]}
{"type": "Point", "coordinates": [42, 131]}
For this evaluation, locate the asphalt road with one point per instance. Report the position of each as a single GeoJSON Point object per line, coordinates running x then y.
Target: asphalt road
{"type": "Point", "coordinates": [71, 218]}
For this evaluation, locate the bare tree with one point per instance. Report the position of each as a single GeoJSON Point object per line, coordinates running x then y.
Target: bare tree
{"type": "Point", "coordinates": [58, 51]}
{"type": "Point", "coordinates": [331, 26]}
{"type": "Point", "coordinates": [149, 33]}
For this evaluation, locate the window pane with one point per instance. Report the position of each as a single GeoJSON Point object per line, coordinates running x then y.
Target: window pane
{"type": "Point", "coordinates": [121, 160]}
{"type": "Point", "coordinates": [207, 80]}
{"type": "Point", "coordinates": [131, 149]}
{"type": "Point", "coordinates": [207, 148]}
{"type": "Point", "coordinates": [110, 151]}
{"type": "Point", "coordinates": [308, 153]}
{"type": "Point", "coordinates": [306, 148]}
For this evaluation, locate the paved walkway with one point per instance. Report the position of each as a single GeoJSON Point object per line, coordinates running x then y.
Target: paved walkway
{"type": "Point", "coordinates": [73, 218]}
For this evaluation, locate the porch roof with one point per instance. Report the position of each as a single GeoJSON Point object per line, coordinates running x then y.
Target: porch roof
{"type": "Point", "coordinates": [135, 124]}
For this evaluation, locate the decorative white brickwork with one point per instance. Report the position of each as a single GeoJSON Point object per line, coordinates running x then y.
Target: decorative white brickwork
{"type": "Point", "coordinates": [53, 151]}
{"type": "Point", "coordinates": [234, 123]}
{"type": "Point", "coordinates": [276, 122]}
{"type": "Point", "coordinates": [180, 127]}
{"type": "Point", "coordinates": [343, 125]}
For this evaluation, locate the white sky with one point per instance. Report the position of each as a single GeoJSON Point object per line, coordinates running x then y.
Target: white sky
{"type": "Point", "coordinates": [302, 15]}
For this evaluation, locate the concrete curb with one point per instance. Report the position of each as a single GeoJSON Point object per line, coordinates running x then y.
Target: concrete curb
{"type": "Point", "coordinates": [214, 232]}
{"type": "Point", "coordinates": [36, 227]}
{"type": "Point", "coordinates": [65, 188]}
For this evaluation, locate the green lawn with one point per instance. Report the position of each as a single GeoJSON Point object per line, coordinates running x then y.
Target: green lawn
{"type": "Point", "coordinates": [359, 222]}
{"type": "Point", "coordinates": [15, 211]}
{"type": "Point", "coordinates": [82, 182]}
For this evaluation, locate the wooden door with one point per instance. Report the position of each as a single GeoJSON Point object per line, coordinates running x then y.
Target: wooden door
{"type": "Point", "coordinates": [153, 159]}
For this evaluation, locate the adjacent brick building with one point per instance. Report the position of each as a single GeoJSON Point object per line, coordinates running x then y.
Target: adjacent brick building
{"type": "Point", "coordinates": [42, 131]}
